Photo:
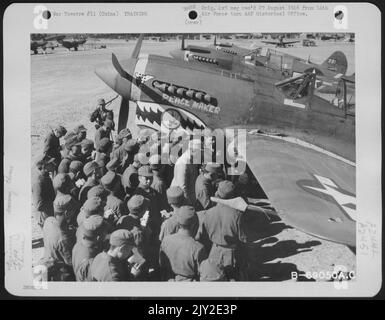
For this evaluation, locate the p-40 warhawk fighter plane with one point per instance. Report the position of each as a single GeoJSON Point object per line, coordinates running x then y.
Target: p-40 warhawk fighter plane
{"type": "Point", "coordinates": [281, 43]}
{"type": "Point", "coordinates": [72, 43]}
{"type": "Point", "coordinates": [300, 146]}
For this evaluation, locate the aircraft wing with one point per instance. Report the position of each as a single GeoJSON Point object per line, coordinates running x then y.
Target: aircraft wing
{"type": "Point", "coordinates": [290, 42]}
{"type": "Point", "coordinates": [311, 189]}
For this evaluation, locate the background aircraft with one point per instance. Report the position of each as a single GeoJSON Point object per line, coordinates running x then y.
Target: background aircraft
{"type": "Point", "coordinates": [301, 148]}
{"type": "Point", "coordinates": [281, 43]}
{"type": "Point", "coordinates": [45, 42]}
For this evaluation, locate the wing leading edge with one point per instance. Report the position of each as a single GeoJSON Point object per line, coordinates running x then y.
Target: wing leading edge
{"type": "Point", "coordinates": [313, 190]}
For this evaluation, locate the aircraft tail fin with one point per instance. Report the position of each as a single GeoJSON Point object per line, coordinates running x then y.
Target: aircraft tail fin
{"type": "Point", "coordinates": [137, 48]}
{"type": "Point", "coordinates": [337, 62]}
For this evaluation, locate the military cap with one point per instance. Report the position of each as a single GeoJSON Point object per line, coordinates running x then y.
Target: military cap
{"type": "Point", "coordinates": [226, 189]}
{"type": "Point", "coordinates": [211, 271]}
{"type": "Point", "coordinates": [61, 181]}
{"type": "Point", "coordinates": [109, 123]}
{"type": "Point", "coordinates": [63, 203]}
{"type": "Point", "coordinates": [93, 206]}
{"type": "Point", "coordinates": [101, 101]}
{"type": "Point", "coordinates": [122, 237]}
{"type": "Point", "coordinates": [87, 143]}
{"type": "Point", "coordinates": [97, 191]}
{"type": "Point", "coordinates": [109, 180]}
{"type": "Point", "coordinates": [125, 133]}
{"type": "Point", "coordinates": [43, 160]}
{"type": "Point", "coordinates": [145, 171]}
{"type": "Point", "coordinates": [113, 164]}
{"type": "Point", "coordinates": [76, 166]}
{"type": "Point", "coordinates": [130, 146]}
{"type": "Point", "coordinates": [137, 203]}
{"type": "Point", "coordinates": [186, 216]}
{"type": "Point", "coordinates": [141, 158]}
{"type": "Point", "coordinates": [93, 225]}
{"type": "Point", "coordinates": [79, 128]}
{"type": "Point", "coordinates": [175, 195]}
{"type": "Point", "coordinates": [212, 167]}
{"type": "Point", "coordinates": [155, 162]}
{"type": "Point", "coordinates": [89, 167]}
{"type": "Point", "coordinates": [105, 144]}
{"type": "Point", "coordinates": [61, 130]}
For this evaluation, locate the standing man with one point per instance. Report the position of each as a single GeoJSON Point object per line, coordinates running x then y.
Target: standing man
{"type": "Point", "coordinates": [101, 113]}
{"type": "Point", "coordinates": [91, 244]}
{"type": "Point", "coordinates": [112, 265]}
{"type": "Point", "coordinates": [224, 227]}
{"type": "Point", "coordinates": [93, 174]}
{"type": "Point", "coordinates": [52, 148]}
{"type": "Point", "coordinates": [76, 136]}
{"type": "Point", "coordinates": [43, 193]}
{"type": "Point", "coordinates": [180, 254]}
{"type": "Point", "coordinates": [175, 199]}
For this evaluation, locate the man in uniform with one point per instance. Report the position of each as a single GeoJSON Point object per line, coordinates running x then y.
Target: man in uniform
{"type": "Point", "coordinates": [112, 265]}
{"type": "Point", "coordinates": [175, 199]}
{"type": "Point", "coordinates": [43, 193]}
{"type": "Point", "coordinates": [224, 227]}
{"type": "Point", "coordinates": [158, 182]}
{"type": "Point", "coordinates": [123, 136]}
{"type": "Point", "coordinates": [91, 244]}
{"type": "Point", "coordinates": [52, 148]}
{"type": "Point", "coordinates": [73, 154]}
{"type": "Point", "coordinates": [103, 132]}
{"type": "Point", "coordinates": [115, 207]}
{"type": "Point", "coordinates": [204, 185]}
{"type": "Point", "coordinates": [186, 172]}
{"type": "Point", "coordinates": [103, 152]}
{"type": "Point", "coordinates": [130, 178]}
{"type": "Point", "coordinates": [180, 254]}
{"type": "Point", "coordinates": [144, 188]}
{"type": "Point", "coordinates": [93, 174]}
{"type": "Point", "coordinates": [74, 137]}
{"type": "Point", "coordinates": [101, 113]}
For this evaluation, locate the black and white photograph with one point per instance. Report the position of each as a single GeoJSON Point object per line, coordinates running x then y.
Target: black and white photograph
{"type": "Point", "coordinates": [151, 157]}
{"type": "Point", "coordinates": [117, 117]}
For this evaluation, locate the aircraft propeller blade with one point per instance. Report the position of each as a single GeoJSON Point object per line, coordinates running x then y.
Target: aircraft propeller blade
{"type": "Point", "coordinates": [137, 48]}
{"type": "Point", "coordinates": [118, 67]}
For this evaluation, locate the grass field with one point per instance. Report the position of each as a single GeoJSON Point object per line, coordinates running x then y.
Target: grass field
{"type": "Point", "coordinates": [64, 90]}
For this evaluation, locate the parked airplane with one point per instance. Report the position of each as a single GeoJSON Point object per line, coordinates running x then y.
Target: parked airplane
{"type": "Point", "coordinates": [45, 42]}
{"type": "Point", "coordinates": [281, 43]}
{"type": "Point", "coordinates": [72, 43]}
{"type": "Point", "coordinates": [300, 146]}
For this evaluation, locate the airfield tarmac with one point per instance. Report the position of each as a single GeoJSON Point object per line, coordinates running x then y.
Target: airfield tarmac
{"type": "Point", "coordinates": [64, 90]}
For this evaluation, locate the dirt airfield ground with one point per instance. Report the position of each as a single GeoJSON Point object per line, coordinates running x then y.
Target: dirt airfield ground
{"type": "Point", "coordinates": [64, 90]}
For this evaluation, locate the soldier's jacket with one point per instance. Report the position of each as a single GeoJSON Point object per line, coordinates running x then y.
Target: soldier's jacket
{"type": "Point", "coordinates": [159, 185]}
{"type": "Point", "coordinates": [99, 135]}
{"type": "Point", "coordinates": [82, 253]}
{"type": "Point", "coordinates": [106, 268]}
{"type": "Point", "coordinates": [115, 207]}
{"type": "Point", "coordinates": [58, 243]}
{"type": "Point", "coordinates": [99, 116]}
{"type": "Point", "coordinates": [181, 255]}
{"type": "Point", "coordinates": [171, 226]}
{"type": "Point", "coordinates": [43, 193]}
{"type": "Point", "coordinates": [224, 226]}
